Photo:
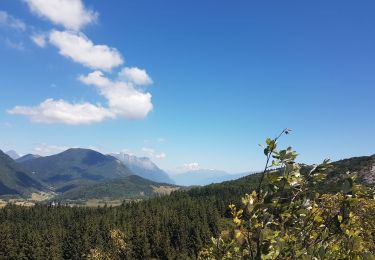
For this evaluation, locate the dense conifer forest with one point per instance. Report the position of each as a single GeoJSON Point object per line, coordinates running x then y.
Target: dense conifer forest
{"type": "Point", "coordinates": [176, 226]}
{"type": "Point", "coordinates": [169, 227]}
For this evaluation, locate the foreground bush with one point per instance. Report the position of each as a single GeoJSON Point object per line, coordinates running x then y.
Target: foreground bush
{"type": "Point", "coordinates": [287, 217]}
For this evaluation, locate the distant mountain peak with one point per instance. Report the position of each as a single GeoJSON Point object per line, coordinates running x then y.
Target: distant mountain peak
{"type": "Point", "coordinates": [76, 166]}
{"type": "Point", "coordinates": [13, 154]}
{"type": "Point", "coordinates": [144, 167]}
{"type": "Point", "coordinates": [76, 150]}
{"type": "Point", "coordinates": [144, 162]}
{"type": "Point", "coordinates": [27, 157]}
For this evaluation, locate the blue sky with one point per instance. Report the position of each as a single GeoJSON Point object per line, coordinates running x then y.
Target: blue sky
{"type": "Point", "coordinates": [188, 82]}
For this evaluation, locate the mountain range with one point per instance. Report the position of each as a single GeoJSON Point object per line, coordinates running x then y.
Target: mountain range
{"type": "Point", "coordinates": [82, 173]}
{"type": "Point", "coordinates": [85, 174]}
{"type": "Point", "coordinates": [144, 167]}
{"type": "Point", "coordinates": [75, 167]}
{"type": "Point", "coordinates": [141, 166]}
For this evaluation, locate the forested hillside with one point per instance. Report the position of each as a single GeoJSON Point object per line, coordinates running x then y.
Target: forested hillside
{"type": "Point", "coordinates": [167, 227]}
{"type": "Point", "coordinates": [174, 226]}
{"type": "Point", "coordinates": [15, 181]}
{"type": "Point", "coordinates": [74, 167]}
{"type": "Point", "coordinates": [130, 187]}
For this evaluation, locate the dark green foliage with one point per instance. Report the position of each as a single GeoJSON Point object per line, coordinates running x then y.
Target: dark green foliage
{"type": "Point", "coordinates": [288, 217]}
{"type": "Point", "coordinates": [14, 180]}
{"type": "Point", "coordinates": [165, 228]}
{"type": "Point", "coordinates": [5, 190]}
{"type": "Point", "coordinates": [132, 186]}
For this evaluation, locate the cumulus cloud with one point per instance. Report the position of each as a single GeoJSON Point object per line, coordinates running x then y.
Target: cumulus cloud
{"type": "Point", "coordinates": [59, 111]}
{"type": "Point", "coordinates": [10, 21]}
{"type": "Point", "coordinates": [191, 166]}
{"type": "Point", "coordinates": [71, 14]}
{"type": "Point", "coordinates": [97, 79]}
{"type": "Point", "coordinates": [154, 154]}
{"type": "Point", "coordinates": [136, 76]}
{"type": "Point", "coordinates": [81, 49]}
{"type": "Point", "coordinates": [39, 39]}
{"type": "Point", "coordinates": [48, 149]}
{"type": "Point", "coordinates": [123, 98]}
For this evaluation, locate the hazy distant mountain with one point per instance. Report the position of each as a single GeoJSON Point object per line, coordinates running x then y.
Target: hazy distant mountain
{"type": "Point", "coordinates": [81, 174]}
{"type": "Point", "coordinates": [13, 154]}
{"type": "Point", "coordinates": [144, 167]}
{"type": "Point", "coordinates": [74, 167]}
{"type": "Point", "coordinates": [133, 186]}
{"type": "Point", "coordinates": [27, 157]}
{"type": "Point", "coordinates": [14, 180]}
{"type": "Point", "coordinates": [204, 177]}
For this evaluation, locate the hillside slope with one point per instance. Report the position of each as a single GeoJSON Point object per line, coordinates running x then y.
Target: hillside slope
{"type": "Point", "coordinates": [74, 167]}
{"type": "Point", "coordinates": [363, 167]}
{"type": "Point", "coordinates": [16, 181]}
{"type": "Point", "coordinates": [233, 190]}
{"type": "Point", "coordinates": [27, 157]}
{"type": "Point", "coordinates": [12, 154]}
{"type": "Point", "coordinates": [130, 187]}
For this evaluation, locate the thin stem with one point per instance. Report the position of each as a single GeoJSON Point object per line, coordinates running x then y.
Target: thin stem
{"type": "Point", "coordinates": [286, 130]}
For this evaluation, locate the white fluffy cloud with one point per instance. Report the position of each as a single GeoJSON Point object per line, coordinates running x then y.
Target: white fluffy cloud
{"type": "Point", "coordinates": [136, 76]}
{"type": "Point", "coordinates": [59, 111]}
{"type": "Point", "coordinates": [123, 98]}
{"type": "Point", "coordinates": [152, 153]}
{"type": "Point", "coordinates": [71, 14]}
{"type": "Point", "coordinates": [82, 50]}
{"type": "Point", "coordinates": [10, 21]}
